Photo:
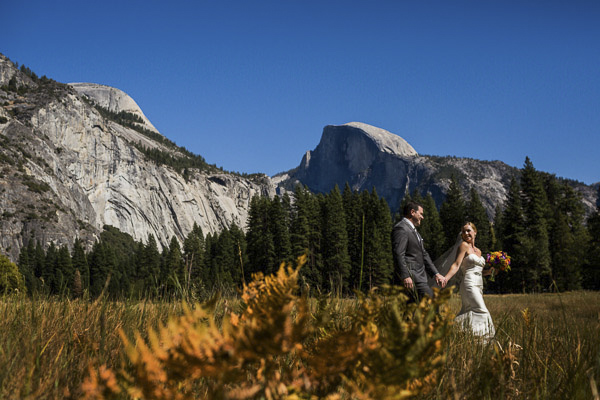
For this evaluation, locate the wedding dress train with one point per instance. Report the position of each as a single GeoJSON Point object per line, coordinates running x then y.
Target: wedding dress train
{"type": "Point", "coordinates": [474, 314]}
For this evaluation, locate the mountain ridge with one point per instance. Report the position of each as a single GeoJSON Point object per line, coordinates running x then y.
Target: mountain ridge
{"type": "Point", "coordinates": [67, 168]}
{"type": "Point", "coordinates": [112, 99]}
{"type": "Point", "coordinates": [352, 153]}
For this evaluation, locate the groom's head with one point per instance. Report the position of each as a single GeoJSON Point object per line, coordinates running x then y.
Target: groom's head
{"type": "Point", "coordinates": [414, 212]}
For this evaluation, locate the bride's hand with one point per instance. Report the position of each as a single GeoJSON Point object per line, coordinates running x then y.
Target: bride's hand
{"type": "Point", "coordinates": [441, 280]}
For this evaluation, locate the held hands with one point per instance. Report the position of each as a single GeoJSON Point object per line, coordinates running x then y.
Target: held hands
{"type": "Point", "coordinates": [441, 281]}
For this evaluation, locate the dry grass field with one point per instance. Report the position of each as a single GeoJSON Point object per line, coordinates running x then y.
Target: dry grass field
{"type": "Point", "coordinates": [551, 349]}
{"type": "Point", "coordinates": [272, 343]}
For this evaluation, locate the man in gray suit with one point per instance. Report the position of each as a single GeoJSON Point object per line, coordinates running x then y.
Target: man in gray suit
{"type": "Point", "coordinates": [411, 261]}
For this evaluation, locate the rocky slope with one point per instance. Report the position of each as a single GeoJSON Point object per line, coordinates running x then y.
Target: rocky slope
{"type": "Point", "coordinates": [70, 164]}
{"type": "Point", "coordinates": [66, 170]}
{"type": "Point", "coordinates": [368, 157]}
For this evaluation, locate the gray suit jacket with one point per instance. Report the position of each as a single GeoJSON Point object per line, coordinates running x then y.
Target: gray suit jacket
{"type": "Point", "coordinates": [410, 257]}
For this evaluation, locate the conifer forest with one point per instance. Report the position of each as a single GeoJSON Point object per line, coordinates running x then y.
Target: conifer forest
{"type": "Point", "coordinates": [345, 237]}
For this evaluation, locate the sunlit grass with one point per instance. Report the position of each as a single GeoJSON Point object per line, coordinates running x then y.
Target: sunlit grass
{"type": "Point", "coordinates": [47, 344]}
{"type": "Point", "coordinates": [547, 345]}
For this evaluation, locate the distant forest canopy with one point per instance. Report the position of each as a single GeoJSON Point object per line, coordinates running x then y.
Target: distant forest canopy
{"type": "Point", "coordinates": [346, 236]}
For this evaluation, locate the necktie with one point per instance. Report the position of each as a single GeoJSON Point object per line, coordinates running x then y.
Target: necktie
{"type": "Point", "coordinates": [419, 237]}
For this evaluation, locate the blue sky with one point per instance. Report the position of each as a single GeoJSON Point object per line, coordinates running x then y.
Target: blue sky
{"type": "Point", "coordinates": [249, 85]}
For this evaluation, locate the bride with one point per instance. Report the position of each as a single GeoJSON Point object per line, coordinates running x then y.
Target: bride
{"type": "Point", "coordinates": [466, 257]}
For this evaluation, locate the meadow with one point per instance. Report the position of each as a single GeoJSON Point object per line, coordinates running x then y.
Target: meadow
{"type": "Point", "coordinates": [274, 343]}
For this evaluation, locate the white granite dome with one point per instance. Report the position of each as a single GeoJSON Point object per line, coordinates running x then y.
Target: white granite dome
{"type": "Point", "coordinates": [113, 99]}
{"type": "Point", "coordinates": [385, 140]}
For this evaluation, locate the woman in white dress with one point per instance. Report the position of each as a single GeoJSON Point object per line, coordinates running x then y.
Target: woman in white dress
{"type": "Point", "coordinates": [473, 314]}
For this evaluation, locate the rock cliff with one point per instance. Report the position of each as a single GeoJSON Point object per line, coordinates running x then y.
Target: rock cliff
{"type": "Point", "coordinates": [67, 170]}
{"type": "Point", "coordinates": [69, 164]}
{"type": "Point", "coordinates": [112, 99]}
{"type": "Point", "coordinates": [368, 157]}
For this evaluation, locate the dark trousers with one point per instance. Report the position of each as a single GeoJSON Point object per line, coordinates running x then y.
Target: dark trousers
{"type": "Point", "coordinates": [420, 290]}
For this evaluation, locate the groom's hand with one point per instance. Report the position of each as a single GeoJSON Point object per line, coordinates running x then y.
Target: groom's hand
{"type": "Point", "coordinates": [408, 283]}
{"type": "Point", "coordinates": [440, 280]}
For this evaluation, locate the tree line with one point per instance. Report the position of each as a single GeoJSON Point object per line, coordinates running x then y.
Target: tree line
{"type": "Point", "coordinates": [346, 237]}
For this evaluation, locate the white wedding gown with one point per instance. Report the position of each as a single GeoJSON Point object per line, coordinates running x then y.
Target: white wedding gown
{"type": "Point", "coordinates": [474, 314]}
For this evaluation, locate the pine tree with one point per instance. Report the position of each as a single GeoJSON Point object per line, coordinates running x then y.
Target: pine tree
{"type": "Point", "coordinates": [26, 266]}
{"type": "Point", "coordinates": [405, 200]}
{"type": "Point", "coordinates": [591, 269]}
{"type": "Point", "coordinates": [378, 262]}
{"type": "Point", "coordinates": [172, 269]}
{"type": "Point", "coordinates": [149, 268]}
{"type": "Point", "coordinates": [80, 263]}
{"type": "Point", "coordinates": [568, 237]}
{"type": "Point", "coordinates": [496, 238]}
{"type": "Point", "coordinates": [513, 234]}
{"type": "Point", "coordinates": [121, 251]}
{"type": "Point", "coordinates": [575, 214]}
{"type": "Point", "coordinates": [225, 260]}
{"type": "Point", "coordinates": [100, 267]}
{"type": "Point", "coordinates": [300, 224]}
{"type": "Point", "coordinates": [355, 222]}
{"type": "Point", "coordinates": [538, 272]}
{"type": "Point", "coordinates": [118, 281]}
{"type": "Point", "coordinates": [452, 213]}
{"type": "Point", "coordinates": [336, 261]}
{"type": "Point", "coordinates": [64, 272]}
{"type": "Point", "coordinates": [431, 229]}
{"type": "Point", "coordinates": [306, 236]}
{"type": "Point", "coordinates": [476, 214]}
{"type": "Point", "coordinates": [238, 241]}
{"type": "Point", "coordinates": [261, 245]}
{"type": "Point", "coordinates": [278, 224]}
{"type": "Point", "coordinates": [49, 277]}
{"type": "Point", "coordinates": [209, 272]}
{"type": "Point", "coordinates": [565, 263]}
{"type": "Point", "coordinates": [193, 255]}
{"type": "Point", "coordinates": [39, 260]}
{"type": "Point", "coordinates": [416, 197]}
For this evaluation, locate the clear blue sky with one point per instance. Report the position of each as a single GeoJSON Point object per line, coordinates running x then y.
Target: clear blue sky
{"type": "Point", "coordinates": [249, 85]}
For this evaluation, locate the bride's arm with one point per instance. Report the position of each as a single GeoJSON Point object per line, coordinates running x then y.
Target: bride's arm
{"type": "Point", "coordinates": [460, 254]}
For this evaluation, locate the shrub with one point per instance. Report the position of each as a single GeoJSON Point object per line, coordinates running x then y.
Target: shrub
{"type": "Point", "coordinates": [10, 277]}
{"type": "Point", "coordinates": [276, 347]}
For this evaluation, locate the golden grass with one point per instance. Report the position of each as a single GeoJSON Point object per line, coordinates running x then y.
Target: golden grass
{"type": "Point", "coordinates": [47, 345]}
{"type": "Point", "coordinates": [276, 347]}
{"type": "Point", "coordinates": [548, 347]}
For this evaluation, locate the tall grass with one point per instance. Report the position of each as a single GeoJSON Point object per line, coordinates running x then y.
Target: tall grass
{"type": "Point", "coordinates": [48, 344]}
{"type": "Point", "coordinates": [547, 345]}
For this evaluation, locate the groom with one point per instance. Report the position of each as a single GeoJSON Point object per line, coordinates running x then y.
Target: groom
{"type": "Point", "coordinates": [411, 261]}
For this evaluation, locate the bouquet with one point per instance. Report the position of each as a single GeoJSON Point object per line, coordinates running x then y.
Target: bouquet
{"type": "Point", "coordinates": [497, 260]}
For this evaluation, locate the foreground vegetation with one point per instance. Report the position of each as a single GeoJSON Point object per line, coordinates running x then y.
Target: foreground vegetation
{"type": "Point", "coordinates": [273, 343]}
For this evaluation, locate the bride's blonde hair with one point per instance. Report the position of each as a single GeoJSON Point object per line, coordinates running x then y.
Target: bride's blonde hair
{"type": "Point", "coordinates": [471, 224]}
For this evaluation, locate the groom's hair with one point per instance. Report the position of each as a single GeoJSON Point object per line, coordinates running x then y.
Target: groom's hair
{"type": "Point", "coordinates": [411, 205]}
